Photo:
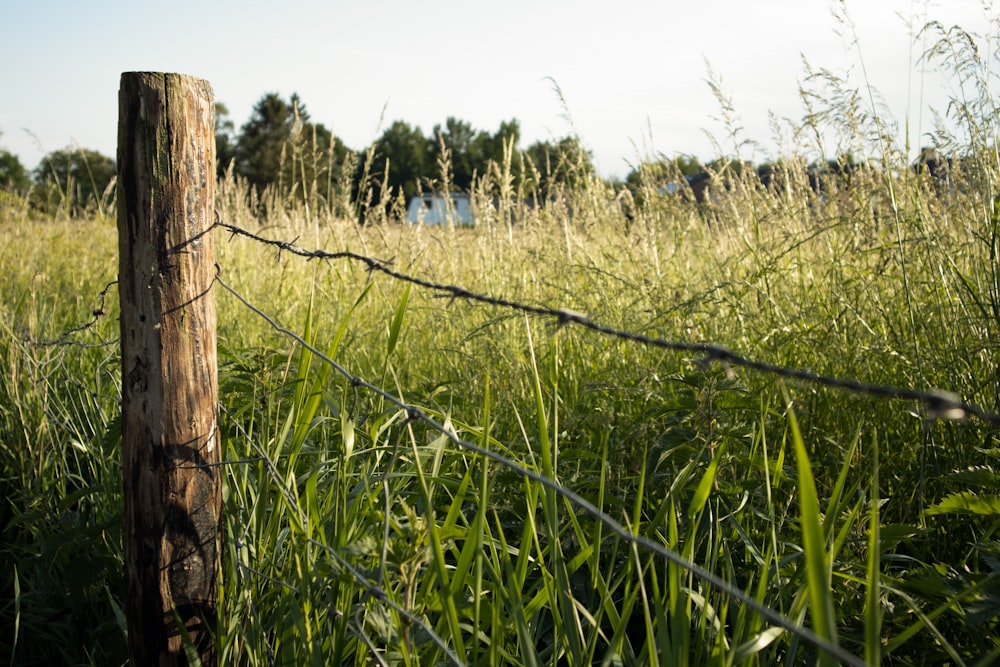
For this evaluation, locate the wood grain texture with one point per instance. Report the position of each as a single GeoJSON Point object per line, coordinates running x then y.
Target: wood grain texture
{"type": "Point", "coordinates": [172, 491]}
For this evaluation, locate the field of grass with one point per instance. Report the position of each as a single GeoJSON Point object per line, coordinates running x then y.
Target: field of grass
{"type": "Point", "coordinates": [641, 503]}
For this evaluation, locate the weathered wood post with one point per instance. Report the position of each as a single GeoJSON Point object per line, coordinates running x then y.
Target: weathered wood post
{"type": "Point", "coordinates": [166, 198]}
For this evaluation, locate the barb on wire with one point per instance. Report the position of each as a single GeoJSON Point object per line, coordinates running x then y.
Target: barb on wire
{"type": "Point", "coordinates": [289, 246]}
{"type": "Point", "coordinates": [415, 413]}
{"type": "Point", "coordinates": [96, 314]}
{"type": "Point", "coordinates": [937, 403]}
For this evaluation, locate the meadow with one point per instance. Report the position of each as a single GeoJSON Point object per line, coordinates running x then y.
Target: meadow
{"type": "Point", "coordinates": [492, 481]}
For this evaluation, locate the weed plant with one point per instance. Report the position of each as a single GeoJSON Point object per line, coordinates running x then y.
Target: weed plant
{"type": "Point", "coordinates": [368, 527]}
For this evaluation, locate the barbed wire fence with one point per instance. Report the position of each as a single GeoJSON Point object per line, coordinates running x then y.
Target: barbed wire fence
{"type": "Point", "coordinates": [936, 404]}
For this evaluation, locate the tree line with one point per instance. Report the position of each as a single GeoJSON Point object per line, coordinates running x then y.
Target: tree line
{"type": "Point", "coordinates": [281, 147]}
{"type": "Point", "coordinates": [72, 180]}
{"type": "Point", "coordinates": [281, 150]}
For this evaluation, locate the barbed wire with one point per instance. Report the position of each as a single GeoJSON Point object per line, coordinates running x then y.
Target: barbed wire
{"type": "Point", "coordinates": [938, 403]}
{"type": "Point", "coordinates": [416, 414]}
{"type": "Point", "coordinates": [96, 314]}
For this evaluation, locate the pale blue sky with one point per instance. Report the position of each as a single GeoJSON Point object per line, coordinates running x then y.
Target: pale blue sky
{"type": "Point", "coordinates": [632, 73]}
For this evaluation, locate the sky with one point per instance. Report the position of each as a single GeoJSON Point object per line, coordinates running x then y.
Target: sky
{"type": "Point", "coordinates": [630, 78]}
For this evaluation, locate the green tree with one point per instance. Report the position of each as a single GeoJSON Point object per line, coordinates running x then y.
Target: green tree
{"type": "Point", "coordinates": [545, 166]}
{"type": "Point", "coordinates": [688, 165]}
{"type": "Point", "coordinates": [13, 175]}
{"type": "Point", "coordinates": [263, 140]}
{"type": "Point", "coordinates": [727, 167]}
{"type": "Point", "coordinates": [317, 158]}
{"type": "Point", "coordinates": [402, 159]}
{"type": "Point", "coordinates": [73, 180]}
{"type": "Point", "coordinates": [280, 146]}
{"type": "Point", "coordinates": [490, 148]}
{"type": "Point", "coordinates": [665, 173]}
{"type": "Point", "coordinates": [469, 151]}
{"type": "Point", "coordinates": [455, 140]}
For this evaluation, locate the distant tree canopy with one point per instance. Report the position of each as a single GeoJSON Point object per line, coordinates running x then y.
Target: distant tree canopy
{"type": "Point", "coordinates": [663, 173]}
{"type": "Point", "coordinates": [688, 165]}
{"type": "Point", "coordinates": [545, 166]}
{"type": "Point", "coordinates": [263, 139]}
{"type": "Point", "coordinates": [282, 148]}
{"type": "Point", "coordinates": [467, 152]}
{"type": "Point", "coordinates": [77, 178]}
{"type": "Point", "coordinates": [13, 175]}
{"type": "Point", "coordinates": [401, 158]}
{"type": "Point", "coordinates": [279, 144]}
{"type": "Point", "coordinates": [455, 155]}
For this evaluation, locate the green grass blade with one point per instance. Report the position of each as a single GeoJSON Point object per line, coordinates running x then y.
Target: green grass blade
{"type": "Point", "coordinates": [873, 585]}
{"type": "Point", "coordinates": [514, 598]}
{"type": "Point", "coordinates": [439, 564]}
{"type": "Point", "coordinates": [397, 321]}
{"type": "Point", "coordinates": [705, 485]}
{"type": "Point", "coordinates": [813, 543]}
{"type": "Point", "coordinates": [17, 615]}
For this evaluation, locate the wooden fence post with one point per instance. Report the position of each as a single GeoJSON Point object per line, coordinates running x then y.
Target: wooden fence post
{"type": "Point", "coordinates": [166, 200]}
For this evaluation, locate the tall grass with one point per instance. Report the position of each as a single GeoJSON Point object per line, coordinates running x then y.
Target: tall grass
{"type": "Point", "coordinates": [357, 532]}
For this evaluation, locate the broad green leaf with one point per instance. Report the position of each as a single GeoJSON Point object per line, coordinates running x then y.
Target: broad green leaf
{"type": "Point", "coordinates": [967, 502]}
{"type": "Point", "coordinates": [756, 644]}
